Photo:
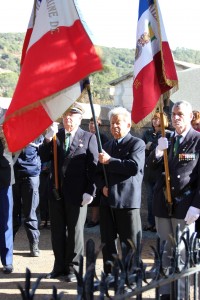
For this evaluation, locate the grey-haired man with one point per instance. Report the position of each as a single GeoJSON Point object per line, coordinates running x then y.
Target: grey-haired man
{"type": "Point", "coordinates": [76, 170]}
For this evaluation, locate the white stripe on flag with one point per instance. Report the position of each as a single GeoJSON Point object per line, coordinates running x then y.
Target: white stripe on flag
{"type": "Point", "coordinates": [56, 105]}
{"type": "Point", "coordinates": [49, 17]}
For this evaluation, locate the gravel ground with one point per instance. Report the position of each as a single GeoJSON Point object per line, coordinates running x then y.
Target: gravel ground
{"type": "Point", "coordinates": [43, 265]}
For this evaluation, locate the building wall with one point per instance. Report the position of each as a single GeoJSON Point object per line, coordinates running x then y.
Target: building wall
{"type": "Point", "coordinates": [189, 89]}
{"type": "Point", "coordinates": [123, 95]}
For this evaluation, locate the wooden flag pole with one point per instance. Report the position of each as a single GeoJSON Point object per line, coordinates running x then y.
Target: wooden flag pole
{"type": "Point", "coordinates": [55, 154]}
{"type": "Point", "coordinates": [167, 175]}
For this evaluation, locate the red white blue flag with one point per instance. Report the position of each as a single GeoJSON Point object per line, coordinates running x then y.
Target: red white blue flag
{"type": "Point", "coordinates": [154, 69]}
{"type": "Point", "coordinates": [57, 54]}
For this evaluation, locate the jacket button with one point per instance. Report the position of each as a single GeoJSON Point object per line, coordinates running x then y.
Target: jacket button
{"type": "Point", "coordinates": [172, 187]}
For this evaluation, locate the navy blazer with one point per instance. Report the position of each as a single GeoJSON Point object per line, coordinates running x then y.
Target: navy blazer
{"type": "Point", "coordinates": [184, 171]}
{"type": "Point", "coordinates": [79, 175]}
{"type": "Point", "coordinates": [124, 173]}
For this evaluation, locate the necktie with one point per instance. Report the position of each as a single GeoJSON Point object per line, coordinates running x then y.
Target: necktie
{"type": "Point", "coordinates": [67, 141]}
{"type": "Point", "coordinates": [176, 144]}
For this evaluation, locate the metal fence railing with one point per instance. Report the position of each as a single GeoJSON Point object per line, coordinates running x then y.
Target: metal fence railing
{"type": "Point", "coordinates": [131, 277]}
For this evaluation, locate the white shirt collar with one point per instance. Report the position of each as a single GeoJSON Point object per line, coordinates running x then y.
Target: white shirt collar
{"type": "Point", "coordinates": [73, 132]}
{"type": "Point", "coordinates": [183, 134]}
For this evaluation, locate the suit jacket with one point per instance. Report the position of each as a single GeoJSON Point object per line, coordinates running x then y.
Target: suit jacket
{"type": "Point", "coordinates": [78, 178]}
{"type": "Point", "coordinates": [124, 173]}
{"type": "Point", "coordinates": [184, 170]}
{"type": "Point", "coordinates": [6, 166]}
{"type": "Point", "coordinates": [28, 163]}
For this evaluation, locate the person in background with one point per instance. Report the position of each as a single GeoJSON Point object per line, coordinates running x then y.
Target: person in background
{"type": "Point", "coordinates": [95, 203]}
{"type": "Point", "coordinates": [196, 125]}
{"type": "Point", "coordinates": [184, 170]}
{"type": "Point", "coordinates": [150, 138]}
{"type": "Point", "coordinates": [43, 194]}
{"type": "Point", "coordinates": [196, 120]}
{"type": "Point", "coordinates": [27, 170]}
{"type": "Point", "coordinates": [123, 158]}
{"type": "Point", "coordinates": [6, 206]}
{"type": "Point", "coordinates": [77, 156]}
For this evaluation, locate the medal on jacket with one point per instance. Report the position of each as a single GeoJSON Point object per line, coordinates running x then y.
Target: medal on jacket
{"type": "Point", "coordinates": [186, 156]}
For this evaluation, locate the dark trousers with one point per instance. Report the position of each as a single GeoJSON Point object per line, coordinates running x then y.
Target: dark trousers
{"type": "Point", "coordinates": [197, 227]}
{"type": "Point", "coordinates": [6, 230]}
{"type": "Point", "coordinates": [67, 234]}
{"type": "Point", "coordinates": [123, 223]}
{"type": "Point", "coordinates": [149, 195]}
{"type": "Point", "coordinates": [43, 192]}
{"type": "Point", "coordinates": [26, 201]}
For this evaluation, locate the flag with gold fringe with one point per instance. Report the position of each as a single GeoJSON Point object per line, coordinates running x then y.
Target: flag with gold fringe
{"type": "Point", "coordinates": [154, 69]}
{"type": "Point", "coordinates": [58, 53]}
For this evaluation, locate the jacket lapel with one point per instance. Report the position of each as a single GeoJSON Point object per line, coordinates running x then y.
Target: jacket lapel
{"type": "Point", "coordinates": [77, 141]}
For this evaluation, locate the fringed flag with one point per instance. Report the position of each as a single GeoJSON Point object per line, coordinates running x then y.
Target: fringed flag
{"type": "Point", "coordinates": [154, 69]}
{"type": "Point", "coordinates": [57, 54]}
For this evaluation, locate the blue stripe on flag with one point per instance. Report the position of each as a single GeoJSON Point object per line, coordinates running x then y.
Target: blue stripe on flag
{"type": "Point", "coordinates": [143, 6]}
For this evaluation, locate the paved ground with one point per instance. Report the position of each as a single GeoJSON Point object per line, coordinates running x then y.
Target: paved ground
{"type": "Point", "coordinates": [44, 263]}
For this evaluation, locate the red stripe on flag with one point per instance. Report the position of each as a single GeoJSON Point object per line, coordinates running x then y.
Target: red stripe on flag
{"type": "Point", "coordinates": [25, 45]}
{"type": "Point", "coordinates": [32, 124]}
{"type": "Point", "coordinates": [56, 61]}
{"type": "Point", "coordinates": [147, 88]}
{"type": "Point", "coordinates": [170, 70]}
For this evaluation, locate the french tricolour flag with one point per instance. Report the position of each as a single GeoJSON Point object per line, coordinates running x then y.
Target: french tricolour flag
{"type": "Point", "coordinates": [154, 70]}
{"type": "Point", "coordinates": [57, 54]}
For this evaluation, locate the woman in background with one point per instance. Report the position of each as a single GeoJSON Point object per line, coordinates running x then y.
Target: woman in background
{"type": "Point", "coordinates": [196, 120]}
{"type": "Point", "coordinates": [150, 138]}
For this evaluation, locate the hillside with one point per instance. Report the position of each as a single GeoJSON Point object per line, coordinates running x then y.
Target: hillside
{"type": "Point", "coordinates": [117, 62]}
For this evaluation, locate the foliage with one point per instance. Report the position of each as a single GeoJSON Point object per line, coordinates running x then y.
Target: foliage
{"type": "Point", "coordinates": [116, 61]}
{"type": "Point", "coordinates": [10, 50]}
{"type": "Point", "coordinates": [8, 82]}
{"type": "Point", "coordinates": [187, 55]}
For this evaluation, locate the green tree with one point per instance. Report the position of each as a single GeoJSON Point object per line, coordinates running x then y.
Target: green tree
{"type": "Point", "coordinates": [8, 82]}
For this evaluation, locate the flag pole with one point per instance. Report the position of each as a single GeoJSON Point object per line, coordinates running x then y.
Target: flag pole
{"type": "Point", "coordinates": [166, 166]}
{"type": "Point", "coordinates": [96, 129]}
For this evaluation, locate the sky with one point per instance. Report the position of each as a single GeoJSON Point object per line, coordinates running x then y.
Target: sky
{"type": "Point", "coordinates": [113, 22]}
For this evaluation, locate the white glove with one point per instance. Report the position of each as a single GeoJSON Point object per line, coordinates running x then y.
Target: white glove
{"type": "Point", "coordinates": [51, 131]}
{"type": "Point", "coordinates": [87, 199]}
{"type": "Point", "coordinates": [192, 215]}
{"type": "Point", "coordinates": [162, 143]}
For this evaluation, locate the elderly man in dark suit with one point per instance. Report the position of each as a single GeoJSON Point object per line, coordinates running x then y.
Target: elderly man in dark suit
{"type": "Point", "coordinates": [77, 157]}
{"type": "Point", "coordinates": [123, 158]}
{"type": "Point", "coordinates": [184, 170]}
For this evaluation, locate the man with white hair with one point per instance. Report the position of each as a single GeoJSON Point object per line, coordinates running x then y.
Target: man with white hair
{"type": "Point", "coordinates": [123, 158]}
{"type": "Point", "coordinates": [184, 170]}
